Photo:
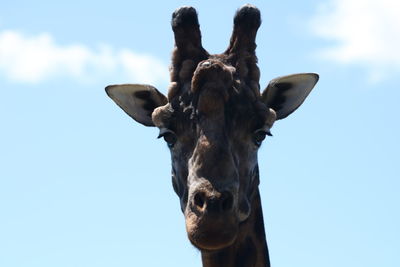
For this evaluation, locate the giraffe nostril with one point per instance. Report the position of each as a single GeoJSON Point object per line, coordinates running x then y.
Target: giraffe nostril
{"type": "Point", "coordinates": [199, 200]}
{"type": "Point", "coordinates": [226, 201]}
{"type": "Point", "coordinates": [213, 204]}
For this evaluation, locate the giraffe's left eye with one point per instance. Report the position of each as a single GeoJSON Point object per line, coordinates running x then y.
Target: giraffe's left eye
{"type": "Point", "coordinates": [169, 137]}
{"type": "Point", "coordinates": [259, 136]}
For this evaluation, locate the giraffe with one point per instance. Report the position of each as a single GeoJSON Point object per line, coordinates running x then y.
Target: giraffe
{"type": "Point", "coordinates": [213, 121]}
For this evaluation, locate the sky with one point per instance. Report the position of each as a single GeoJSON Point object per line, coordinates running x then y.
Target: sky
{"type": "Point", "coordinates": [83, 185]}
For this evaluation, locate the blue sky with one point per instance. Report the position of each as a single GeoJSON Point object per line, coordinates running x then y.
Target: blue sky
{"type": "Point", "coordinates": [82, 184]}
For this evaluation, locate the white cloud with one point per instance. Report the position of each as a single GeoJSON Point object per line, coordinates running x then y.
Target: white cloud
{"type": "Point", "coordinates": [365, 32]}
{"type": "Point", "coordinates": [38, 58]}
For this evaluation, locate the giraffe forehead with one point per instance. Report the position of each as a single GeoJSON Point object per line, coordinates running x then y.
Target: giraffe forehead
{"type": "Point", "coordinates": [215, 92]}
{"type": "Point", "coordinates": [211, 86]}
{"type": "Point", "coordinates": [212, 73]}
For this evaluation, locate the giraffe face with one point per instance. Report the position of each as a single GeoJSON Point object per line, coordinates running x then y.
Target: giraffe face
{"type": "Point", "coordinates": [214, 138]}
{"type": "Point", "coordinates": [214, 121]}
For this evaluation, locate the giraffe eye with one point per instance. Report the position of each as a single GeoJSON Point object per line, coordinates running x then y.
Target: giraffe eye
{"type": "Point", "coordinates": [260, 135]}
{"type": "Point", "coordinates": [169, 137]}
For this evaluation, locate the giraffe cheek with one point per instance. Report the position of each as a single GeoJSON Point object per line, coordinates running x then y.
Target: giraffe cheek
{"type": "Point", "coordinates": [244, 210]}
{"type": "Point", "coordinates": [181, 191]}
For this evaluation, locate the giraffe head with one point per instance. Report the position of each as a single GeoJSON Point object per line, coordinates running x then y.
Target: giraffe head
{"type": "Point", "coordinates": [214, 120]}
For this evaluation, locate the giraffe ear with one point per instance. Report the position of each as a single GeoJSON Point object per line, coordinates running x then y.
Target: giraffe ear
{"type": "Point", "coordinates": [285, 94]}
{"type": "Point", "coordinates": [137, 100]}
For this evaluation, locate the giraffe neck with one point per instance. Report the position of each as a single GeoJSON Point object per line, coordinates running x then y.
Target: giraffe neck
{"type": "Point", "coordinates": [250, 248]}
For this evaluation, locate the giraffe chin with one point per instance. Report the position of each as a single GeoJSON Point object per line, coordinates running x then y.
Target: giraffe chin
{"type": "Point", "coordinates": [210, 233]}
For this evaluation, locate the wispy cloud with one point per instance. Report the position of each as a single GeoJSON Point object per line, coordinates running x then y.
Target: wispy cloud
{"type": "Point", "coordinates": [33, 59]}
{"type": "Point", "coordinates": [364, 32]}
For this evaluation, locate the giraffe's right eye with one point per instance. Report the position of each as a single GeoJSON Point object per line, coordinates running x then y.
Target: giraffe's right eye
{"type": "Point", "coordinates": [260, 135]}
{"type": "Point", "coordinates": [169, 137]}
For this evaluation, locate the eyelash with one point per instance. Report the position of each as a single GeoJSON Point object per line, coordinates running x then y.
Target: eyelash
{"type": "Point", "coordinates": [169, 137]}
{"type": "Point", "coordinates": [259, 136]}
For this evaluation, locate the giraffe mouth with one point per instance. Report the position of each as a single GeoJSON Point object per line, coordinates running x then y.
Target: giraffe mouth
{"type": "Point", "coordinates": [211, 232]}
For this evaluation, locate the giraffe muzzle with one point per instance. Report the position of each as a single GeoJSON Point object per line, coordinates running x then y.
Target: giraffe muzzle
{"type": "Point", "coordinates": [211, 219]}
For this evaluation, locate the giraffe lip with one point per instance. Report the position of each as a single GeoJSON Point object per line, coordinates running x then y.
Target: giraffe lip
{"type": "Point", "coordinates": [210, 233]}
